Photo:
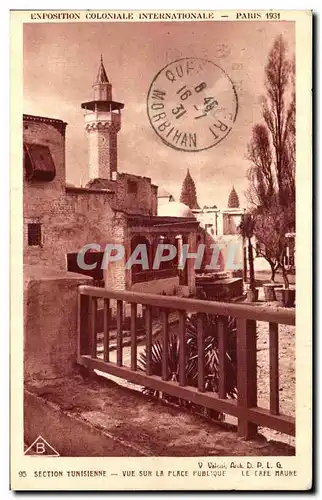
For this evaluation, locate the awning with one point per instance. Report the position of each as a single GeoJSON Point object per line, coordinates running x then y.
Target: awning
{"type": "Point", "coordinates": [38, 163]}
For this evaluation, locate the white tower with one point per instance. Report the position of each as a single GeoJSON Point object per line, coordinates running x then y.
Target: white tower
{"type": "Point", "coordinates": [102, 123]}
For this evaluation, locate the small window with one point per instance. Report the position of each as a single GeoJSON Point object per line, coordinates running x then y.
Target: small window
{"type": "Point", "coordinates": [132, 187]}
{"type": "Point", "coordinates": [38, 163]}
{"type": "Point", "coordinates": [34, 234]}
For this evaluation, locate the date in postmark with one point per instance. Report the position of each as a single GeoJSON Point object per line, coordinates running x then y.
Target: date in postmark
{"type": "Point", "coordinates": [192, 104]}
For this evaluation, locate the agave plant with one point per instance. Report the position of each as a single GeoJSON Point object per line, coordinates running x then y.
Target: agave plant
{"type": "Point", "coordinates": [211, 326]}
{"type": "Point", "coordinates": [211, 323]}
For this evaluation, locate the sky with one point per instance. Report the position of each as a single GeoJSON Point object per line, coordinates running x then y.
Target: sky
{"type": "Point", "coordinates": [61, 62]}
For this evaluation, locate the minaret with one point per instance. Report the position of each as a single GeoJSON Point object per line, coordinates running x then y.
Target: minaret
{"type": "Point", "coordinates": [188, 192]}
{"type": "Point", "coordinates": [102, 123]}
{"type": "Point", "coordinates": [233, 200]}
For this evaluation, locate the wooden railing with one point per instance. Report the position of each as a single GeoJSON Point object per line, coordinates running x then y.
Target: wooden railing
{"type": "Point", "coordinates": [245, 407]}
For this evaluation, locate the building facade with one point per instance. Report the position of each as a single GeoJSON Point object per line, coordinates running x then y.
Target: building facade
{"type": "Point", "coordinates": [114, 208]}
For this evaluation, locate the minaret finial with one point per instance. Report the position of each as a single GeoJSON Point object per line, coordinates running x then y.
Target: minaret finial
{"type": "Point", "coordinates": [101, 75]}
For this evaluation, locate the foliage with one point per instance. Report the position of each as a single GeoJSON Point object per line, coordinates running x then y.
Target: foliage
{"type": "Point", "coordinates": [260, 174]}
{"type": "Point", "coordinates": [211, 323]}
{"type": "Point", "coordinates": [279, 115]}
{"type": "Point", "coordinates": [271, 151]}
{"type": "Point", "coordinates": [270, 229]}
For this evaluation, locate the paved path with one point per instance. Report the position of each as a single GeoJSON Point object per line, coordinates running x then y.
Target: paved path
{"type": "Point", "coordinates": [149, 426]}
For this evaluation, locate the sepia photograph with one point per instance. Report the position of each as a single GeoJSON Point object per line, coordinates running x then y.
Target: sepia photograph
{"type": "Point", "coordinates": [159, 181]}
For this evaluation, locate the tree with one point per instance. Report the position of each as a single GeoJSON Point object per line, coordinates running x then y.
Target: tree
{"type": "Point", "coordinates": [260, 174]}
{"type": "Point", "coordinates": [270, 228]}
{"type": "Point", "coordinates": [188, 192]}
{"type": "Point", "coordinates": [278, 112]}
{"type": "Point", "coordinates": [271, 151]}
{"type": "Point", "coordinates": [246, 229]}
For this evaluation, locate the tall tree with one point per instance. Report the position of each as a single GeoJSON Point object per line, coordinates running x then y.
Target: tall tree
{"type": "Point", "coordinates": [261, 174]}
{"type": "Point", "coordinates": [188, 192]}
{"type": "Point", "coordinates": [278, 112]}
{"type": "Point", "coordinates": [271, 151]}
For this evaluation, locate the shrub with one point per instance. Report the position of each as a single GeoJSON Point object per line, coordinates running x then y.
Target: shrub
{"type": "Point", "coordinates": [211, 323]}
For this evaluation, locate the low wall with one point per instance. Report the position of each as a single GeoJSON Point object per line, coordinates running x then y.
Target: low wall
{"type": "Point", "coordinates": [224, 289]}
{"type": "Point", "coordinates": [169, 286]}
{"type": "Point", "coordinates": [50, 321]}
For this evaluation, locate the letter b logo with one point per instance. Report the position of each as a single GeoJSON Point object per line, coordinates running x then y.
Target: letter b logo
{"type": "Point", "coordinates": [40, 448]}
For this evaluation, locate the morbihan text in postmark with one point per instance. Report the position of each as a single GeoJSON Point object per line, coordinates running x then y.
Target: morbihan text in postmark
{"type": "Point", "coordinates": [192, 104]}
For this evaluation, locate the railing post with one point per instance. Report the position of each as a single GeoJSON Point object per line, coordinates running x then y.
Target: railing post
{"type": "Point", "coordinates": [182, 348]}
{"type": "Point", "coordinates": [246, 375]}
{"type": "Point", "coordinates": [106, 327]}
{"type": "Point", "coordinates": [148, 332]}
{"type": "Point", "coordinates": [165, 344]}
{"type": "Point", "coordinates": [133, 337]}
{"type": "Point", "coordinates": [273, 369]}
{"type": "Point", "coordinates": [223, 361]}
{"type": "Point", "coordinates": [119, 333]}
{"type": "Point", "coordinates": [92, 322]}
{"type": "Point", "coordinates": [201, 352]}
{"type": "Point", "coordinates": [84, 339]}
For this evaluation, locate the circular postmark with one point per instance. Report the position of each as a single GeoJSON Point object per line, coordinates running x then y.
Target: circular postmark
{"type": "Point", "coordinates": [192, 104]}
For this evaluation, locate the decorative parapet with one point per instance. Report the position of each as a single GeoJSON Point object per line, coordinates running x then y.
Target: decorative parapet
{"type": "Point", "coordinates": [102, 125]}
{"type": "Point", "coordinates": [59, 125]}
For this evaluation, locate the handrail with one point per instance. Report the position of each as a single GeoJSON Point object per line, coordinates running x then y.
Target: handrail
{"type": "Point", "coordinates": [245, 408]}
{"type": "Point", "coordinates": [243, 311]}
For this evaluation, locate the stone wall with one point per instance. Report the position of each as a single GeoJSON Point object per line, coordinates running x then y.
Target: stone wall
{"type": "Point", "coordinates": [143, 201]}
{"type": "Point", "coordinates": [69, 218]}
{"type": "Point", "coordinates": [68, 223]}
{"type": "Point", "coordinates": [50, 322]}
{"type": "Point", "coordinates": [132, 194]}
{"type": "Point", "coordinates": [231, 219]}
{"type": "Point", "coordinates": [102, 151]}
{"type": "Point", "coordinates": [208, 220]}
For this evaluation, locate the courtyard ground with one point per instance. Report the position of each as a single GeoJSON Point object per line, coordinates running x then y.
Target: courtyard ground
{"type": "Point", "coordinates": [97, 417]}
{"type": "Point", "coordinates": [286, 363]}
